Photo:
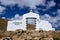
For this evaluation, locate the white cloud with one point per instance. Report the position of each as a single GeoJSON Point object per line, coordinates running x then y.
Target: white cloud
{"type": "Point", "coordinates": [7, 2]}
{"type": "Point", "coordinates": [54, 20]}
{"type": "Point", "coordinates": [17, 17]}
{"type": "Point", "coordinates": [30, 3]}
{"type": "Point", "coordinates": [1, 9]}
{"type": "Point", "coordinates": [58, 11]}
{"type": "Point", "coordinates": [51, 4]}
{"type": "Point", "coordinates": [3, 17]}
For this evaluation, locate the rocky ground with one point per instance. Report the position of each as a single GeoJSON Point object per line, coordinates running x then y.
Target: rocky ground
{"type": "Point", "coordinates": [26, 35]}
{"type": "Point", "coordinates": [30, 35]}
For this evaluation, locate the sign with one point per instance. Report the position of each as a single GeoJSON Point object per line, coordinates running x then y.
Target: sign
{"type": "Point", "coordinates": [17, 23]}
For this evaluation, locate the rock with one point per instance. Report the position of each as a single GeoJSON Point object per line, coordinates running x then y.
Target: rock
{"type": "Point", "coordinates": [3, 24]}
{"type": "Point", "coordinates": [7, 38]}
{"type": "Point", "coordinates": [29, 37]}
{"type": "Point", "coordinates": [9, 33]}
{"type": "Point", "coordinates": [36, 38]}
{"type": "Point", "coordinates": [19, 32]}
{"type": "Point", "coordinates": [57, 34]}
{"type": "Point", "coordinates": [47, 38]}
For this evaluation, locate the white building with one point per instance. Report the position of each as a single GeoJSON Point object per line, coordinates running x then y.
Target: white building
{"type": "Point", "coordinates": [29, 18]}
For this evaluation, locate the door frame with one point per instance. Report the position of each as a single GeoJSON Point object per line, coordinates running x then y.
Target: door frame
{"type": "Point", "coordinates": [30, 18]}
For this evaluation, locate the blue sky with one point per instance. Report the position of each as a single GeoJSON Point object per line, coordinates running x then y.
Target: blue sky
{"type": "Point", "coordinates": [47, 9]}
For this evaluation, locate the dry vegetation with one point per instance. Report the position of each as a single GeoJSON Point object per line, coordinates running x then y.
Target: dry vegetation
{"type": "Point", "coordinates": [29, 34]}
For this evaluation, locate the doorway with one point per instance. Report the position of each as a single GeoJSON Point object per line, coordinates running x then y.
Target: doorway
{"type": "Point", "coordinates": [31, 23]}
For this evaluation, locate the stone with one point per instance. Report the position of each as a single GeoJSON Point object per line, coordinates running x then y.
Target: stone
{"type": "Point", "coordinates": [47, 38]}
{"type": "Point", "coordinates": [7, 38]}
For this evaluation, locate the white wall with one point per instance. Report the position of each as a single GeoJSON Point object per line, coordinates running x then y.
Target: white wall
{"type": "Point", "coordinates": [44, 25]}
{"type": "Point", "coordinates": [14, 25]}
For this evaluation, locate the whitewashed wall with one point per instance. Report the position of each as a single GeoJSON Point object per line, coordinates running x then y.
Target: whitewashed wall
{"type": "Point", "coordinates": [21, 24]}
{"type": "Point", "coordinates": [14, 25]}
